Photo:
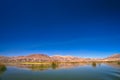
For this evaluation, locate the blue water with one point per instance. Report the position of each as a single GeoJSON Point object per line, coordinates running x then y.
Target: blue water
{"type": "Point", "coordinates": [63, 72]}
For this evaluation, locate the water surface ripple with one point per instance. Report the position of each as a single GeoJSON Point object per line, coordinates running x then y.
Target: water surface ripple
{"type": "Point", "coordinates": [62, 72]}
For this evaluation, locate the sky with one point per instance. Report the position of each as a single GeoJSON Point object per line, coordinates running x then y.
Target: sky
{"type": "Point", "coordinates": [85, 28]}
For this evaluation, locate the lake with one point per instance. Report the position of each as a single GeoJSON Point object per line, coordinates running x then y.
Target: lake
{"type": "Point", "coordinates": [81, 71]}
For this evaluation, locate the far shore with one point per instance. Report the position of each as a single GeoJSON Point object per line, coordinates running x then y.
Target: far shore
{"type": "Point", "coordinates": [38, 63]}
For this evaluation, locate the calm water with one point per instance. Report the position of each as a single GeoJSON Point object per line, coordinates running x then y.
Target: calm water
{"type": "Point", "coordinates": [62, 72]}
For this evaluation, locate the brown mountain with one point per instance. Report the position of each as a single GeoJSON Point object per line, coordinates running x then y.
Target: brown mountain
{"type": "Point", "coordinates": [29, 58]}
{"type": "Point", "coordinates": [57, 58]}
{"type": "Point", "coordinates": [4, 59]}
{"type": "Point", "coordinates": [115, 57]}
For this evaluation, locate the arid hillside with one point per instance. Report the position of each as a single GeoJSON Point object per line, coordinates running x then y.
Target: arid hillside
{"type": "Point", "coordinates": [56, 58]}
{"type": "Point", "coordinates": [115, 57]}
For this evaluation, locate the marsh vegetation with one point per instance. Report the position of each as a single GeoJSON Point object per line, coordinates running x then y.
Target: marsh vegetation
{"type": "Point", "coordinates": [2, 68]}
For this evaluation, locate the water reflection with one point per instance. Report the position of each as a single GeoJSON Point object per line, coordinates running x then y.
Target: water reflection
{"type": "Point", "coordinates": [54, 66]}
{"type": "Point", "coordinates": [42, 67]}
{"type": "Point", "coordinates": [67, 71]}
{"type": "Point", "coordinates": [116, 65]}
{"type": "Point", "coordinates": [95, 64]}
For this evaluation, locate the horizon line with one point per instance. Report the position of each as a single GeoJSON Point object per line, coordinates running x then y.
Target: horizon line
{"type": "Point", "coordinates": [58, 55]}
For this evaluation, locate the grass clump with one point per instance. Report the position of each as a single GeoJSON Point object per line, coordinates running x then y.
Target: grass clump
{"type": "Point", "coordinates": [118, 62]}
{"type": "Point", "coordinates": [54, 65]}
{"type": "Point", "coordinates": [2, 68]}
{"type": "Point", "coordinates": [94, 64]}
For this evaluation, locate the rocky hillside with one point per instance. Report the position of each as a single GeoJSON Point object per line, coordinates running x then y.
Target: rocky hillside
{"type": "Point", "coordinates": [29, 58]}
{"type": "Point", "coordinates": [4, 59]}
{"type": "Point", "coordinates": [115, 57]}
{"type": "Point", "coordinates": [57, 58]}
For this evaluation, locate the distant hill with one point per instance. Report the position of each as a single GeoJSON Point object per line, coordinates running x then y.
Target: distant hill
{"type": "Point", "coordinates": [60, 58]}
{"type": "Point", "coordinates": [115, 57]}
{"type": "Point", "coordinates": [4, 59]}
{"type": "Point", "coordinates": [56, 58]}
{"type": "Point", "coordinates": [29, 58]}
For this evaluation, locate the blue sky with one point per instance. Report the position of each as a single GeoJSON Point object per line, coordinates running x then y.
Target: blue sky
{"type": "Point", "coordinates": [87, 28]}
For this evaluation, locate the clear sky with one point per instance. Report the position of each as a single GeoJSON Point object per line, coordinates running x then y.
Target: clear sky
{"type": "Point", "coordinates": [86, 28]}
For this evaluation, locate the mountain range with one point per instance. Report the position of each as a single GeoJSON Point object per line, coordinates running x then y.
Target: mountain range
{"type": "Point", "coordinates": [55, 58]}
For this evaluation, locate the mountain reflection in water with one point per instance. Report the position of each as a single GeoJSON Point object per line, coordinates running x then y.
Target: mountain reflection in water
{"type": "Point", "coordinates": [63, 71]}
{"type": "Point", "coordinates": [42, 67]}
